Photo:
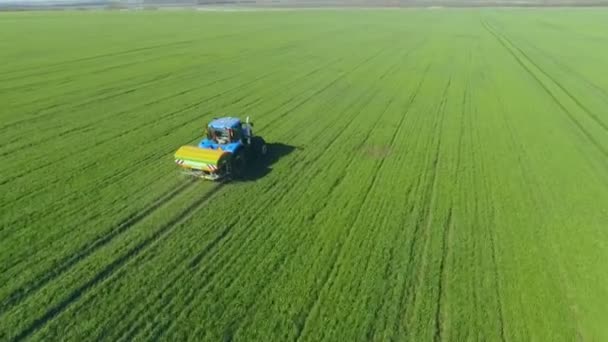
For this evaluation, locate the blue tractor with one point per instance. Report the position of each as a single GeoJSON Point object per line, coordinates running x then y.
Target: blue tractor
{"type": "Point", "coordinates": [228, 149]}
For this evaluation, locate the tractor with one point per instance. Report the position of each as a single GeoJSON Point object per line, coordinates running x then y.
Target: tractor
{"type": "Point", "coordinates": [227, 150]}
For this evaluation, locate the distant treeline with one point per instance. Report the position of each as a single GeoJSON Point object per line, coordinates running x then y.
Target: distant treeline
{"type": "Point", "coordinates": [375, 3]}
{"type": "Point", "coordinates": [159, 4]}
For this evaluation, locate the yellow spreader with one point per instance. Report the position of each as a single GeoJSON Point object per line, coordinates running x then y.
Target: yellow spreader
{"type": "Point", "coordinates": [206, 163]}
{"type": "Point", "coordinates": [224, 152]}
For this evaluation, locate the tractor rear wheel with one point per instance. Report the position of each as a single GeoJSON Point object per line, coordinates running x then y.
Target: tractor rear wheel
{"type": "Point", "coordinates": [238, 165]}
{"type": "Point", "coordinates": [259, 147]}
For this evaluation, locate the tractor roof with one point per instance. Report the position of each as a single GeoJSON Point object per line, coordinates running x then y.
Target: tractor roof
{"type": "Point", "coordinates": [227, 122]}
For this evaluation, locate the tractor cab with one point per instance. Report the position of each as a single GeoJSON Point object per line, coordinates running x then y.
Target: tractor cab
{"type": "Point", "coordinates": [225, 130]}
{"type": "Point", "coordinates": [228, 130]}
{"type": "Point", "coordinates": [227, 133]}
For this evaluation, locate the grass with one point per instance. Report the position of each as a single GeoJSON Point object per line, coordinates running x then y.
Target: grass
{"type": "Point", "coordinates": [443, 176]}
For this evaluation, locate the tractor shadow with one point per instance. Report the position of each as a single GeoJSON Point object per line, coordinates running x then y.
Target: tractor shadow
{"type": "Point", "coordinates": [263, 166]}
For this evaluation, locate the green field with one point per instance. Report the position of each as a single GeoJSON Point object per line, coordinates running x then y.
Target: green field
{"type": "Point", "coordinates": [435, 175]}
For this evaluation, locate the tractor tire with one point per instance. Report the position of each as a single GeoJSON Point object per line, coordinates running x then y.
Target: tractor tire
{"type": "Point", "coordinates": [259, 147]}
{"type": "Point", "coordinates": [239, 163]}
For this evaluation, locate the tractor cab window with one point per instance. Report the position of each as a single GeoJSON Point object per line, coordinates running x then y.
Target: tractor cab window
{"type": "Point", "coordinates": [223, 135]}
{"type": "Point", "coordinates": [238, 133]}
{"type": "Point", "coordinates": [220, 136]}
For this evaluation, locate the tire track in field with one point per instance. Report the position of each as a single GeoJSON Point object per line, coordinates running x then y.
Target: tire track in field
{"type": "Point", "coordinates": [124, 133]}
{"type": "Point", "coordinates": [574, 99]}
{"type": "Point", "coordinates": [447, 240]}
{"type": "Point", "coordinates": [133, 167]}
{"type": "Point", "coordinates": [272, 53]}
{"type": "Point", "coordinates": [133, 328]}
{"type": "Point", "coordinates": [535, 199]}
{"type": "Point", "coordinates": [333, 140]}
{"type": "Point", "coordinates": [107, 271]}
{"type": "Point", "coordinates": [86, 287]}
{"type": "Point", "coordinates": [87, 219]}
{"type": "Point", "coordinates": [114, 137]}
{"type": "Point", "coordinates": [305, 76]}
{"type": "Point", "coordinates": [411, 187]}
{"type": "Point", "coordinates": [362, 142]}
{"type": "Point", "coordinates": [257, 100]}
{"type": "Point", "coordinates": [79, 129]}
{"type": "Point", "coordinates": [496, 275]}
{"type": "Point", "coordinates": [88, 250]}
{"type": "Point", "coordinates": [339, 178]}
{"type": "Point", "coordinates": [103, 96]}
{"type": "Point", "coordinates": [570, 115]}
{"type": "Point", "coordinates": [27, 331]}
{"type": "Point", "coordinates": [299, 104]}
{"type": "Point", "coordinates": [562, 29]}
{"type": "Point", "coordinates": [440, 315]}
{"type": "Point", "coordinates": [466, 101]}
{"type": "Point", "coordinates": [94, 124]}
{"type": "Point", "coordinates": [565, 279]}
{"type": "Point", "coordinates": [66, 79]}
{"type": "Point", "coordinates": [408, 211]}
{"type": "Point", "coordinates": [91, 58]}
{"type": "Point", "coordinates": [471, 210]}
{"type": "Point", "coordinates": [34, 116]}
{"type": "Point", "coordinates": [153, 102]}
{"type": "Point", "coordinates": [337, 255]}
{"type": "Point", "coordinates": [415, 188]}
{"type": "Point", "coordinates": [169, 151]}
{"type": "Point", "coordinates": [208, 274]}
{"type": "Point", "coordinates": [368, 134]}
{"type": "Point", "coordinates": [555, 99]}
{"type": "Point", "coordinates": [124, 52]}
{"type": "Point", "coordinates": [342, 175]}
{"type": "Point", "coordinates": [494, 253]}
{"type": "Point", "coordinates": [388, 271]}
{"type": "Point", "coordinates": [300, 327]}
{"type": "Point", "coordinates": [571, 71]}
{"type": "Point", "coordinates": [424, 227]}
{"type": "Point", "coordinates": [64, 265]}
